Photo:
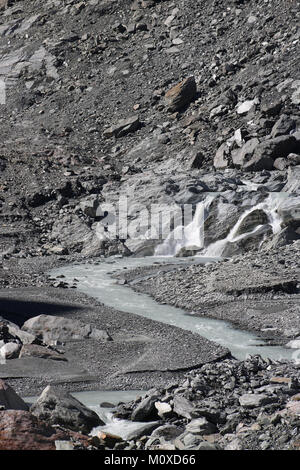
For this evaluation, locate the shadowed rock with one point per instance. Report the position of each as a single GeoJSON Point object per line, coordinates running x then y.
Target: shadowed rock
{"type": "Point", "coordinates": [181, 94]}
{"type": "Point", "coordinates": [9, 399]}
{"type": "Point", "coordinates": [58, 407]}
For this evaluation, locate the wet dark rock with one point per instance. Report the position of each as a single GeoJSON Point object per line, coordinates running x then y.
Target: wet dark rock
{"type": "Point", "coordinates": [146, 410]}
{"type": "Point", "coordinates": [9, 399]}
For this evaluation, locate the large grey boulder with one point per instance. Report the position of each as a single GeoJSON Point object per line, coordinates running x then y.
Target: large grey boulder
{"type": "Point", "coordinates": [279, 147]}
{"type": "Point", "coordinates": [53, 328]}
{"type": "Point", "coordinates": [184, 408]}
{"type": "Point", "coordinates": [246, 158]}
{"type": "Point", "coordinates": [220, 220]}
{"type": "Point", "coordinates": [24, 336]}
{"type": "Point", "coordinates": [59, 407]}
{"type": "Point", "coordinates": [222, 157]}
{"type": "Point", "coordinates": [256, 156]}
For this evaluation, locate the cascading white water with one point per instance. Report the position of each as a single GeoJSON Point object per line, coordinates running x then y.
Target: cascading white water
{"type": "Point", "coordinates": [269, 207]}
{"type": "Point", "coordinates": [188, 237]}
{"type": "Point", "coordinates": [191, 237]}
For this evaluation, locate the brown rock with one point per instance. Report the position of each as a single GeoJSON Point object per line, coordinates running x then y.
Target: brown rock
{"type": "Point", "coordinates": [280, 380]}
{"type": "Point", "coordinates": [3, 4]}
{"type": "Point", "coordinates": [109, 439]}
{"type": "Point", "coordinates": [20, 430]}
{"type": "Point", "coordinates": [181, 94]}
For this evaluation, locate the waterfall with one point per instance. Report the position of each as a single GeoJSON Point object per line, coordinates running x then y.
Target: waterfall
{"type": "Point", "coordinates": [188, 238]}
{"type": "Point", "coordinates": [269, 207]}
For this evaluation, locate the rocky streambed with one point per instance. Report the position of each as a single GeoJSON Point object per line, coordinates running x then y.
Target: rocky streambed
{"type": "Point", "coordinates": [206, 400]}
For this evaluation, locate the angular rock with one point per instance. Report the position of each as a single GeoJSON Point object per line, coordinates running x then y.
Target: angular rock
{"type": "Point", "coordinates": [254, 400]}
{"type": "Point", "coordinates": [181, 94]}
{"type": "Point", "coordinates": [34, 350]}
{"type": "Point", "coordinates": [143, 430]}
{"type": "Point", "coordinates": [246, 159]}
{"type": "Point", "coordinates": [59, 407]}
{"type": "Point", "coordinates": [278, 147]}
{"type": "Point", "coordinates": [146, 410]}
{"type": "Point", "coordinates": [283, 126]}
{"type": "Point", "coordinates": [246, 106]}
{"type": "Point", "coordinates": [9, 399]}
{"type": "Point", "coordinates": [123, 127]}
{"type": "Point", "coordinates": [201, 426]}
{"type": "Point", "coordinates": [281, 163]}
{"type": "Point", "coordinates": [164, 410]}
{"type": "Point", "coordinates": [168, 432]}
{"type": "Point", "coordinates": [183, 407]}
{"type": "Point", "coordinates": [221, 160]}
{"type": "Point", "coordinates": [75, 236]}
{"type": "Point", "coordinates": [255, 218]}
{"type": "Point", "coordinates": [24, 336]}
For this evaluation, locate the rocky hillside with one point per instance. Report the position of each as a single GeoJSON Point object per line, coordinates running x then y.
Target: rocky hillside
{"type": "Point", "coordinates": [161, 101]}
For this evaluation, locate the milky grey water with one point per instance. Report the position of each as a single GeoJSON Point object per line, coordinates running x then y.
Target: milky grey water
{"type": "Point", "coordinates": [95, 280]}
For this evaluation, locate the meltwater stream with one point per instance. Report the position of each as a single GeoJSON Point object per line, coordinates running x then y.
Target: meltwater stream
{"type": "Point", "coordinates": [95, 280]}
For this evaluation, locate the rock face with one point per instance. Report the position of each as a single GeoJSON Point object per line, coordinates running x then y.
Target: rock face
{"type": "Point", "coordinates": [181, 94]}
{"type": "Point", "coordinates": [74, 235]}
{"type": "Point", "coordinates": [9, 399]}
{"type": "Point", "coordinates": [52, 328]}
{"type": "Point", "coordinates": [58, 407]}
